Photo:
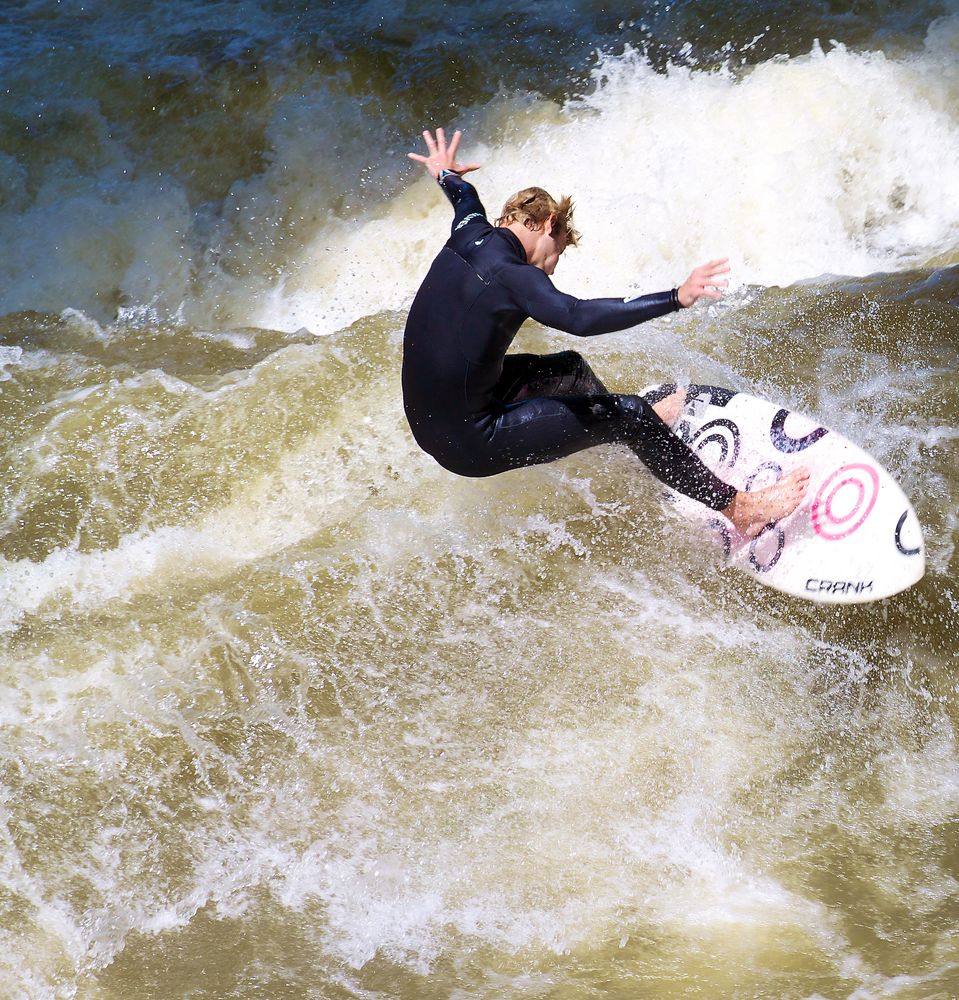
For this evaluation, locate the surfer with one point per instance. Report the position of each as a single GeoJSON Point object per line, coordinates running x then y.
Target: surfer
{"type": "Point", "coordinates": [480, 411]}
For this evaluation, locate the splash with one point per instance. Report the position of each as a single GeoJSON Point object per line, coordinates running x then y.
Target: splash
{"type": "Point", "coordinates": [793, 167]}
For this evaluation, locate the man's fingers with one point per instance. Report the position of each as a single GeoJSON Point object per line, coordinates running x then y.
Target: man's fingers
{"type": "Point", "coordinates": [720, 264]}
{"type": "Point", "coordinates": [454, 145]}
{"type": "Point", "coordinates": [442, 156]}
{"type": "Point", "coordinates": [709, 270]}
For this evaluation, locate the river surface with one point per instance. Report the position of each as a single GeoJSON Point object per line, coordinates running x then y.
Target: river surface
{"type": "Point", "coordinates": [286, 710]}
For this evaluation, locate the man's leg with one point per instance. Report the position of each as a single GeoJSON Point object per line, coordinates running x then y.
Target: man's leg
{"type": "Point", "coordinates": [563, 374]}
{"type": "Point", "coordinates": [544, 428]}
{"type": "Point", "coordinates": [530, 431]}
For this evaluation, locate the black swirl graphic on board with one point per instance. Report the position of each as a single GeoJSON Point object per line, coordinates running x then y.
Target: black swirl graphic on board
{"type": "Point", "coordinates": [765, 567]}
{"type": "Point", "coordinates": [718, 396]}
{"type": "Point", "coordinates": [899, 545]}
{"type": "Point", "coordinates": [714, 524]}
{"type": "Point", "coordinates": [660, 392]}
{"type": "Point", "coordinates": [712, 395]}
{"type": "Point", "coordinates": [713, 432]}
{"type": "Point", "coordinates": [773, 467]}
{"type": "Point", "coordinates": [790, 445]}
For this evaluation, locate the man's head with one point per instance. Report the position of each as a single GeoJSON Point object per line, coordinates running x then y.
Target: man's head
{"type": "Point", "coordinates": [543, 225]}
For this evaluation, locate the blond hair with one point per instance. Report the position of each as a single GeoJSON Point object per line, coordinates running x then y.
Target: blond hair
{"type": "Point", "coordinates": [533, 206]}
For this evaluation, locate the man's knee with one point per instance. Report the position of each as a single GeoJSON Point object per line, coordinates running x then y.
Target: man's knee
{"type": "Point", "coordinates": [579, 377]}
{"type": "Point", "coordinates": [569, 363]}
{"type": "Point", "coordinates": [633, 411]}
{"type": "Point", "coordinates": [617, 417]}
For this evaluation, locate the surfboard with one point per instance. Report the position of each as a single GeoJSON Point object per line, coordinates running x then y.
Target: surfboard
{"type": "Point", "coordinates": [854, 537]}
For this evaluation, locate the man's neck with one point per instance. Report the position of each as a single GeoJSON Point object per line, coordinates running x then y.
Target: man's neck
{"type": "Point", "coordinates": [525, 237]}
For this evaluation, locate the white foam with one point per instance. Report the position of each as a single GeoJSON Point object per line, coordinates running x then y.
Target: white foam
{"type": "Point", "coordinates": [840, 181]}
{"type": "Point", "coordinates": [837, 161]}
{"type": "Point", "coordinates": [922, 785]}
{"type": "Point", "coordinates": [857, 170]}
{"type": "Point", "coordinates": [9, 356]}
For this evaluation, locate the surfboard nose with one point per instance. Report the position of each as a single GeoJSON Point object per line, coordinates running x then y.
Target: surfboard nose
{"type": "Point", "coordinates": [854, 537]}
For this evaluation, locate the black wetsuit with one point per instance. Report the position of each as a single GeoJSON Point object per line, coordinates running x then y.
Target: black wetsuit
{"type": "Point", "coordinates": [479, 411]}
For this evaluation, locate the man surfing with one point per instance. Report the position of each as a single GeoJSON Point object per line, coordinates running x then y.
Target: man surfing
{"type": "Point", "coordinates": [480, 411]}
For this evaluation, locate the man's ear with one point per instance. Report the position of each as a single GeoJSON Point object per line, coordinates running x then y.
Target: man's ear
{"type": "Point", "coordinates": [549, 225]}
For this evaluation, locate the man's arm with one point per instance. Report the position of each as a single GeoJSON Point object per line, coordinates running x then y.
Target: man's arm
{"type": "Point", "coordinates": [467, 206]}
{"type": "Point", "coordinates": [583, 317]}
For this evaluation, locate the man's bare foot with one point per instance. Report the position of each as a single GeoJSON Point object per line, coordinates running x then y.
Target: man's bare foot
{"type": "Point", "coordinates": [670, 408]}
{"type": "Point", "coordinates": [751, 512]}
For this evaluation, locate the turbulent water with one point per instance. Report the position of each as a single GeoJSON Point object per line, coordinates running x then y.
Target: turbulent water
{"type": "Point", "coordinates": [288, 711]}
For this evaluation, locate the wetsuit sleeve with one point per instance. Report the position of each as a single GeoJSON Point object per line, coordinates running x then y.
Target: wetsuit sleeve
{"type": "Point", "coordinates": [467, 207]}
{"type": "Point", "coordinates": [540, 298]}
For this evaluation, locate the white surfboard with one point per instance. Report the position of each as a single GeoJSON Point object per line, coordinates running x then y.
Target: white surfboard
{"type": "Point", "coordinates": [854, 538]}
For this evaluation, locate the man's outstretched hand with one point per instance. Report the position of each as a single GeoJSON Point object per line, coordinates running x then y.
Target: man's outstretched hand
{"type": "Point", "coordinates": [704, 283]}
{"type": "Point", "coordinates": [441, 156]}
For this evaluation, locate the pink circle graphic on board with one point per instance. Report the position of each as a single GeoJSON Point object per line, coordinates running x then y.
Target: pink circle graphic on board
{"type": "Point", "coordinates": [844, 501]}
